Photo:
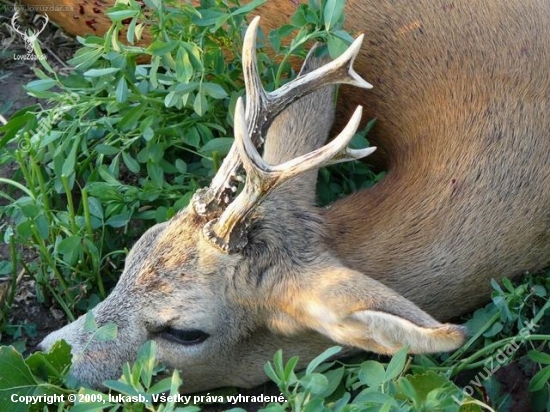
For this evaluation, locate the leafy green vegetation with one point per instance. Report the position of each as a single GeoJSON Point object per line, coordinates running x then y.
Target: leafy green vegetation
{"type": "Point", "coordinates": [512, 330]}
{"type": "Point", "coordinates": [122, 143]}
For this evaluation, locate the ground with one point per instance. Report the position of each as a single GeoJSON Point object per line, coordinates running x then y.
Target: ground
{"type": "Point", "coordinates": [14, 74]}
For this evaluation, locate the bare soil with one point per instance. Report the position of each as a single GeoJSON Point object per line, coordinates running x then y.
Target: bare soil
{"type": "Point", "coordinates": [33, 320]}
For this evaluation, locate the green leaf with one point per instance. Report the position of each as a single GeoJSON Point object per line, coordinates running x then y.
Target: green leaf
{"type": "Point", "coordinates": [119, 15]}
{"type": "Point", "coordinates": [17, 379]}
{"type": "Point", "coordinates": [425, 383]}
{"type": "Point", "coordinates": [333, 12]}
{"type": "Point", "coordinates": [131, 163]}
{"type": "Point", "coordinates": [146, 358]}
{"type": "Point", "coordinates": [40, 85]}
{"type": "Point", "coordinates": [155, 173]}
{"type": "Point", "coordinates": [106, 149]}
{"type": "Point", "coordinates": [184, 68]}
{"type": "Point", "coordinates": [16, 125]}
{"type": "Point", "coordinates": [289, 375]}
{"type": "Point", "coordinates": [85, 58]}
{"type": "Point", "coordinates": [153, 4]}
{"type": "Point", "coordinates": [121, 387]}
{"type": "Point", "coordinates": [370, 397]}
{"type": "Point", "coordinates": [69, 244]}
{"type": "Point", "coordinates": [508, 285]}
{"type": "Point", "coordinates": [181, 166]}
{"type": "Point", "coordinates": [218, 144]}
{"type": "Point", "coordinates": [271, 374]}
{"type": "Point", "coordinates": [6, 267]}
{"type": "Point", "coordinates": [95, 207]}
{"type": "Point", "coordinates": [539, 290]}
{"type": "Point", "coordinates": [407, 388]}
{"type": "Point", "coordinates": [493, 330]}
{"type": "Point", "coordinates": [214, 90]}
{"type": "Point", "coordinates": [396, 365]}
{"type": "Point", "coordinates": [171, 99]}
{"type": "Point", "coordinates": [160, 48]}
{"type": "Point", "coordinates": [130, 120]}
{"type": "Point", "coordinates": [539, 357]}
{"type": "Point", "coordinates": [247, 8]}
{"type": "Point", "coordinates": [200, 105]}
{"type": "Point", "coordinates": [104, 192]}
{"type": "Point", "coordinates": [148, 133]}
{"type": "Point", "coordinates": [101, 72]}
{"type": "Point", "coordinates": [90, 325]}
{"type": "Point", "coordinates": [106, 332]}
{"type": "Point", "coordinates": [121, 92]}
{"type": "Point", "coordinates": [119, 220]}
{"type": "Point", "coordinates": [322, 358]}
{"type": "Point", "coordinates": [334, 377]}
{"type": "Point", "coordinates": [162, 386]}
{"type": "Point", "coordinates": [208, 17]}
{"type": "Point", "coordinates": [54, 363]}
{"type": "Point", "coordinates": [131, 33]}
{"type": "Point", "coordinates": [372, 373]}
{"type": "Point", "coordinates": [336, 46]}
{"type": "Point", "coordinates": [315, 383]}
{"type": "Point", "coordinates": [540, 379]}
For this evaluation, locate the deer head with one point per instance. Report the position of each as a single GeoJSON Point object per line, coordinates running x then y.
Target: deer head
{"type": "Point", "coordinates": [29, 36]}
{"type": "Point", "coordinates": [236, 276]}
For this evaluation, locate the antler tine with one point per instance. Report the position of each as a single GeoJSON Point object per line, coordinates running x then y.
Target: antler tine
{"type": "Point", "coordinates": [339, 71]}
{"type": "Point", "coordinates": [257, 99]}
{"type": "Point", "coordinates": [46, 20]}
{"type": "Point", "coordinates": [14, 23]}
{"type": "Point", "coordinates": [334, 152]}
{"type": "Point", "coordinates": [262, 178]}
{"type": "Point", "coordinates": [263, 107]}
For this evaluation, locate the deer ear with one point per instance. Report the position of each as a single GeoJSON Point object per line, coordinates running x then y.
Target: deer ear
{"type": "Point", "coordinates": [355, 310]}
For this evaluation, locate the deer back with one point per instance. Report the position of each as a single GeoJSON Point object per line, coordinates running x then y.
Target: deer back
{"type": "Point", "coordinates": [461, 98]}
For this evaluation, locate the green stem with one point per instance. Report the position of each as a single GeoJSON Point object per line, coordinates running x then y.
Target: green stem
{"type": "Point", "coordinates": [13, 258]}
{"type": "Point", "coordinates": [23, 167]}
{"type": "Point", "coordinates": [469, 364]}
{"type": "Point", "coordinates": [43, 190]}
{"type": "Point", "coordinates": [472, 340]}
{"type": "Point", "coordinates": [70, 204]}
{"type": "Point", "coordinates": [51, 263]}
{"type": "Point", "coordinates": [86, 211]}
{"type": "Point", "coordinates": [17, 185]}
{"type": "Point", "coordinates": [216, 159]}
{"type": "Point", "coordinates": [62, 303]}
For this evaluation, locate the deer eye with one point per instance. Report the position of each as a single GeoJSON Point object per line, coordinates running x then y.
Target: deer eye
{"type": "Point", "coordinates": [182, 336]}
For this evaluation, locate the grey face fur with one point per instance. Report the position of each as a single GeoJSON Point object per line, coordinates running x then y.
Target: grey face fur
{"type": "Point", "coordinates": [218, 311]}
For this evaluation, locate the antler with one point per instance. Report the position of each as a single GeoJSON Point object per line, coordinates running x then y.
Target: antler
{"type": "Point", "coordinates": [46, 20]}
{"type": "Point", "coordinates": [262, 107]}
{"type": "Point", "coordinates": [227, 223]}
{"type": "Point", "coordinates": [262, 178]}
{"type": "Point", "coordinates": [14, 24]}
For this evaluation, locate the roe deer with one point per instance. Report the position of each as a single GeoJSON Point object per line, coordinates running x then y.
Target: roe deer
{"type": "Point", "coordinates": [462, 94]}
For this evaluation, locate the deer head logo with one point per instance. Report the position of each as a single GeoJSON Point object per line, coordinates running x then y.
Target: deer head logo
{"type": "Point", "coordinates": [29, 36]}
